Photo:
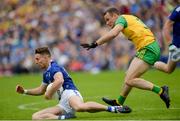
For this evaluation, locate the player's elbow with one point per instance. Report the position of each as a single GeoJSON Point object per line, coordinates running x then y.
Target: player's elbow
{"type": "Point", "coordinates": [48, 97]}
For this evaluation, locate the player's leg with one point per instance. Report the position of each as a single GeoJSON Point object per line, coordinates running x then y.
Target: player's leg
{"type": "Point", "coordinates": [132, 72]}
{"type": "Point", "coordinates": [144, 84]}
{"type": "Point", "coordinates": [174, 57]}
{"type": "Point", "coordinates": [135, 70]}
{"type": "Point", "coordinates": [167, 68]}
{"type": "Point", "coordinates": [78, 105]}
{"type": "Point", "coordinates": [48, 113]}
{"type": "Point", "coordinates": [72, 99]}
{"type": "Point", "coordinates": [139, 65]}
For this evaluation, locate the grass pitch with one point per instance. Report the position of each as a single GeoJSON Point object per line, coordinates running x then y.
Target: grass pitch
{"type": "Point", "coordinates": [146, 105]}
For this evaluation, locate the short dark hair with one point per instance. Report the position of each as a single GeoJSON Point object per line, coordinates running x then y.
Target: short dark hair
{"type": "Point", "coordinates": [111, 10]}
{"type": "Point", "coordinates": [42, 51]}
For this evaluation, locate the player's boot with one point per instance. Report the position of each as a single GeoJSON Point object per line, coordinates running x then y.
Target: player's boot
{"type": "Point", "coordinates": [122, 109]}
{"type": "Point", "coordinates": [111, 102]}
{"type": "Point", "coordinates": [66, 116]}
{"type": "Point", "coordinates": [165, 95]}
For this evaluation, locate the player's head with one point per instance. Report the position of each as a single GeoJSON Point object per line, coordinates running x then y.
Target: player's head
{"type": "Point", "coordinates": [42, 57]}
{"type": "Point", "coordinates": [110, 16]}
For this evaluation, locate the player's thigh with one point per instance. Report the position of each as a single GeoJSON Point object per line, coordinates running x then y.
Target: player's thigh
{"type": "Point", "coordinates": [136, 68]}
{"type": "Point", "coordinates": [53, 110]}
{"type": "Point", "coordinates": [75, 102]}
{"type": "Point", "coordinates": [70, 99]}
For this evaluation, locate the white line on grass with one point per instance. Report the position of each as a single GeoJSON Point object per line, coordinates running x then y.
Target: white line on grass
{"type": "Point", "coordinates": [151, 109]}
{"type": "Point", "coordinates": [30, 106]}
{"type": "Point", "coordinates": [33, 105]}
{"type": "Point", "coordinates": [101, 120]}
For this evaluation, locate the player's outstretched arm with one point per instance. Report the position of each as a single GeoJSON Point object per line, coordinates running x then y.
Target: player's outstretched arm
{"type": "Point", "coordinates": [35, 91]}
{"type": "Point", "coordinates": [107, 37]}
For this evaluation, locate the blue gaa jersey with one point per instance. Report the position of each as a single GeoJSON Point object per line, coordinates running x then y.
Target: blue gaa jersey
{"type": "Point", "coordinates": [48, 76]}
{"type": "Point", "coordinates": [175, 16]}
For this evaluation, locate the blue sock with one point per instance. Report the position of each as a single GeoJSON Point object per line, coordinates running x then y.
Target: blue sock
{"type": "Point", "coordinates": [66, 116]}
{"type": "Point", "coordinates": [111, 109]}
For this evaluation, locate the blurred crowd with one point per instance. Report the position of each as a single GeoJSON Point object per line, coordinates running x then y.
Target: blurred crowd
{"type": "Point", "coordinates": [63, 24]}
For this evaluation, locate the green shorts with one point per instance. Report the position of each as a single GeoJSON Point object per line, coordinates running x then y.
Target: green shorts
{"type": "Point", "coordinates": [150, 53]}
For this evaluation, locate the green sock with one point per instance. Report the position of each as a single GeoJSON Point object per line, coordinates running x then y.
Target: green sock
{"type": "Point", "coordinates": [121, 99]}
{"type": "Point", "coordinates": [157, 89]}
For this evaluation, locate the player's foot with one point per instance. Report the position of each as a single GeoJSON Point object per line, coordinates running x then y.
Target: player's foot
{"type": "Point", "coordinates": [111, 102]}
{"type": "Point", "coordinates": [165, 95]}
{"type": "Point", "coordinates": [122, 109]}
{"type": "Point", "coordinates": [66, 116]}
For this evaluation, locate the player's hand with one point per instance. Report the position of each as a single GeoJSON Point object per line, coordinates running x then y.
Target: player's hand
{"type": "Point", "coordinates": [19, 89]}
{"type": "Point", "coordinates": [89, 46]}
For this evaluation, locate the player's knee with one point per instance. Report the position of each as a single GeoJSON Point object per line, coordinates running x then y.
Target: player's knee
{"type": "Point", "coordinates": [79, 108]}
{"type": "Point", "coordinates": [129, 82]}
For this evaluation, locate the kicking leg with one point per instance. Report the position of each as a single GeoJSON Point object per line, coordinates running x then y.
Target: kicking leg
{"type": "Point", "coordinates": [132, 72]}
{"type": "Point", "coordinates": [141, 67]}
{"type": "Point", "coordinates": [137, 68]}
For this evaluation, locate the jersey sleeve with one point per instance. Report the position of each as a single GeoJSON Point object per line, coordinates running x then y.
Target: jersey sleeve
{"type": "Point", "coordinates": [54, 71]}
{"type": "Point", "coordinates": [48, 76]}
{"type": "Point", "coordinates": [174, 14]}
{"type": "Point", "coordinates": [121, 20]}
{"type": "Point", "coordinates": [45, 80]}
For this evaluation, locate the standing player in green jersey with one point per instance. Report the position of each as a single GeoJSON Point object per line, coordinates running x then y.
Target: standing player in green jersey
{"type": "Point", "coordinates": [148, 52]}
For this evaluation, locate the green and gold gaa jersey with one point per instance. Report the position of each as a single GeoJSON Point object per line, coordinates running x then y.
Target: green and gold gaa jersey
{"type": "Point", "coordinates": [136, 31]}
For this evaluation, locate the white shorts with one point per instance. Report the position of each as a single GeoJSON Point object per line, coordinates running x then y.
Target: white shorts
{"type": "Point", "coordinates": [64, 102]}
{"type": "Point", "coordinates": [174, 53]}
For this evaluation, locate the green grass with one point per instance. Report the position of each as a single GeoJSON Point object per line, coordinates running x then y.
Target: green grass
{"type": "Point", "coordinates": [145, 104]}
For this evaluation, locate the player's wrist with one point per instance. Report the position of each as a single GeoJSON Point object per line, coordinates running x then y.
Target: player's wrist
{"type": "Point", "coordinates": [25, 91]}
{"type": "Point", "coordinates": [94, 45]}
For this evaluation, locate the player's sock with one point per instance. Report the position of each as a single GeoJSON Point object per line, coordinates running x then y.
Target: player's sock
{"type": "Point", "coordinates": [111, 109]}
{"type": "Point", "coordinates": [121, 100]}
{"type": "Point", "coordinates": [66, 116]}
{"type": "Point", "coordinates": [157, 89]}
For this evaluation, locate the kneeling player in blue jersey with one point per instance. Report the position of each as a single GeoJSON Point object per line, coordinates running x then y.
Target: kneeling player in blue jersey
{"type": "Point", "coordinates": [71, 99]}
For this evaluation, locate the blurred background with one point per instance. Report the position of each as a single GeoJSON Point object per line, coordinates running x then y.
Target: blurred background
{"type": "Point", "coordinates": [63, 24]}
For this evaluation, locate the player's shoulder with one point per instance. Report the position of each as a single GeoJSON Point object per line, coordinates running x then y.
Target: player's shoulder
{"type": "Point", "coordinates": [54, 63]}
{"type": "Point", "coordinates": [54, 67]}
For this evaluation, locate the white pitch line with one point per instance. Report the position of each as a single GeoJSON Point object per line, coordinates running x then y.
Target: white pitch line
{"type": "Point", "coordinates": [29, 106]}
{"type": "Point", "coordinates": [32, 106]}
{"type": "Point", "coordinates": [151, 109]}
{"type": "Point", "coordinates": [102, 120]}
